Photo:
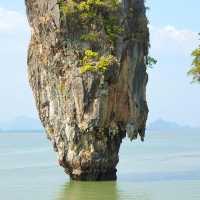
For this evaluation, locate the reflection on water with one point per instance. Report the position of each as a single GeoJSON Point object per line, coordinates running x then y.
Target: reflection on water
{"type": "Point", "coordinates": [100, 191]}
{"type": "Point", "coordinates": [88, 190]}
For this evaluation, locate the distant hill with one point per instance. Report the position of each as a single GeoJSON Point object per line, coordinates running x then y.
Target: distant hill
{"type": "Point", "coordinates": [162, 125]}
{"type": "Point", "coordinates": [21, 124]}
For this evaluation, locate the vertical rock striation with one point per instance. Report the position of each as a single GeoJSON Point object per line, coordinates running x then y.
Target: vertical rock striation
{"type": "Point", "coordinates": [88, 77]}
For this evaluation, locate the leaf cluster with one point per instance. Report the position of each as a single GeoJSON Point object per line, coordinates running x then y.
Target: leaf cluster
{"type": "Point", "coordinates": [195, 70]}
{"type": "Point", "coordinates": [93, 62]}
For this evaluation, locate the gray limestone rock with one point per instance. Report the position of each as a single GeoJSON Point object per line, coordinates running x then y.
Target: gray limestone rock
{"type": "Point", "coordinates": [86, 115]}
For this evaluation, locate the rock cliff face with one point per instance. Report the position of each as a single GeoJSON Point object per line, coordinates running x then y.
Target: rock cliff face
{"type": "Point", "coordinates": [87, 69]}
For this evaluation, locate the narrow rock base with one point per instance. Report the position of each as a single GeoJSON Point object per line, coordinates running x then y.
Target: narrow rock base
{"type": "Point", "coordinates": [109, 175]}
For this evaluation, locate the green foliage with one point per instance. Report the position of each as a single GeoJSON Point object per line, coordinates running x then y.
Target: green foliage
{"type": "Point", "coordinates": [195, 71]}
{"type": "Point", "coordinates": [104, 62]}
{"type": "Point", "coordinates": [96, 21]}
{"type": "Point", "coordinates": [68, 8]}
{"type": "Point", "coordinates": [87, 8]}
{"type": "Point", "coordinates": [93, 13]}
{"type": "Point", "coordinates": [151, 61]}
{"type": "Point", "coordinates": [92, 62]}
{"type": "Point", "coordinates": [112, 28]}
{"type": "Point", "coordinates": [91, 37]}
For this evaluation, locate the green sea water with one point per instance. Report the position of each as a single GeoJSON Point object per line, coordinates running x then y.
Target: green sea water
{"type": "Point", "coordinates": [165, 167]}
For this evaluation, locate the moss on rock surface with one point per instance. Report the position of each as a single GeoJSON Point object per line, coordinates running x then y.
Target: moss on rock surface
{"type": "Point", "coordinates": [87, 70]}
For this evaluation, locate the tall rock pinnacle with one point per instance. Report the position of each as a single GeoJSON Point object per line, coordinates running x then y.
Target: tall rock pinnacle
{"type": "Point", "coordinates": [87, 70]}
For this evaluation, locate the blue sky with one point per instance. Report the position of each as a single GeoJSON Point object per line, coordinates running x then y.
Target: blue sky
{"type": "Point", "coordinates": [174, 27]}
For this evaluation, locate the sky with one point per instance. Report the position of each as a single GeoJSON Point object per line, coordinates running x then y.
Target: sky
{"type": "Point", "coordinates": [174, 27]}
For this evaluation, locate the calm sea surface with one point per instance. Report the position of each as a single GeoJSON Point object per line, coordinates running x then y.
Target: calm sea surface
{"type": "Point", "coordinates": [165, 167]}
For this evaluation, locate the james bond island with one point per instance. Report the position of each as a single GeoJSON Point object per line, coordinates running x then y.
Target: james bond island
{"type": "Point", "coordinates": [87, 69]}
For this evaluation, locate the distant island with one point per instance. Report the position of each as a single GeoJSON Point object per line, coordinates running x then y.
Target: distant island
{"type": "Point", "coordinates": [163, 125]}
{"type": "Point", "coordinates": [21, 124]}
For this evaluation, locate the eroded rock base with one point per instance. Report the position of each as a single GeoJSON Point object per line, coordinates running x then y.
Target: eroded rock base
{"type": "Point", "coordinates": [109, 175]}
{"type": "Point", "coordinates": [92, 158]}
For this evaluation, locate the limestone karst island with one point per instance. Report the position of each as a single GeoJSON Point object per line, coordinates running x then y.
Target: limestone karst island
{"type": "Point", "coordinates": [87, 69]}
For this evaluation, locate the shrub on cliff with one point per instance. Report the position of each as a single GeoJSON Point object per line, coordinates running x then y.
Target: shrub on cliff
{"type": "Point", "coordinates": [195, 70]}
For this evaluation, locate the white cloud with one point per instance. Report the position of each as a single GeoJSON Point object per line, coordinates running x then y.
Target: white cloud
{"type": "Point", "coordinates": [170, 40]}
{"type": "Point", "coordinates": [12, 21]}
{"type": "Point", "coordinates": [170, 94]}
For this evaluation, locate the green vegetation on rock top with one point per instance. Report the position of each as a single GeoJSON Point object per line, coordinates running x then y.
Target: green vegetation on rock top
{"type": "Point", "coordinates": [94, 15]}
{"type": "Point", "coordinates": [97, 21]}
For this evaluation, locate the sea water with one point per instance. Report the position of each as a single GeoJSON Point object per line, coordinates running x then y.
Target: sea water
{"type": "Point", "coordinates": [164, 167]}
